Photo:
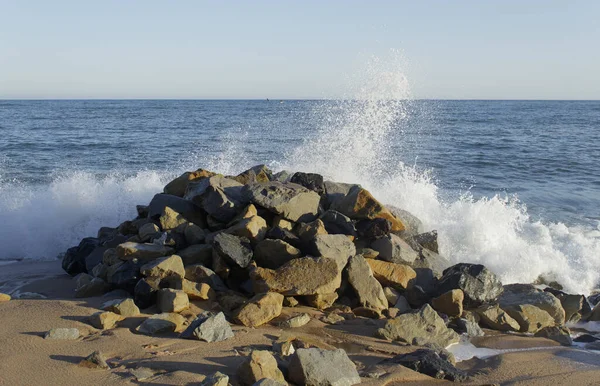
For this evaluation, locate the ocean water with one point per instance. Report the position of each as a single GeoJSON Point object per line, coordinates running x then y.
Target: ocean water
{"type": "Point", "coordinates": [514, 185]}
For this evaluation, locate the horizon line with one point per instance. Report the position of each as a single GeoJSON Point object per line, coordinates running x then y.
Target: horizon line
{"type": "Point", "coordinates": [294, 99]}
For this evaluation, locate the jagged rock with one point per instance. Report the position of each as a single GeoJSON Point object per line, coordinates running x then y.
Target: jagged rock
{"type": "Point", "coordinates": [253, 228]}
{"type": "Point", "coordinates": [586, 338]}
{"type": "Point", "coordinates": [518, 294]}
{"type": "Point", "coordinates": [374, 229]}
{"type": "Point", "coordinates": [431, 260]}
{"type": "Point", "coordinates": [62, 334]}
{"type": "Point", "coordinates": [179, 185]}
{"type": "Point", "coordinates": [449, 303]}
{"type": "Point", "coordinates": [402, 305]}
{"type": "Point", "coordinates": [123, 307]}
{"type": "Point", "coordinates": [423, 325]}
{"type": "Point", "coordinates": [274, 253]}
{"type": "Point", "coordinates": [575, 306]}
{"type": "Point", "coordinates": [130, 251]}
{"type": "Point", "coordinates": [196, 254]}
{"type": "Point", "coordinates": [368, 290]}
{"type": "Point", "coordinates": [198, 291]}
{"type": "Point", "coordinates": [194, 234]}
{"type": "Point", "coordinates": [303, 276]}
{"type": "Point", "coordinates": [4, 297]}
{"type": "Point", "coordinates": [321, 301]}
{"type": "Point", "coordinates": [164, 267]}
{"type": "Point", "coordinates": [282, 176]}
{"type": "Point", "coordinates": [141, 373]}
{"type": "Point", "coordinates": [391, 295]}
{"type": "Point", "coordinates": [104, 320]}
{"type": "Point", "coordinates": [412, 224]}
{"type": "Point", "coordinates": [95, 360]}
{"type": "Point", "coordinates": [428, 240]}
{"type": "Point", "coordinates": [310, 181]}
{"type": "Point", "coordinates": [124, 275]}
{"type": "Point", "coordinates": [530, 318]}
{"type": "Point", "coordinates": [393, 249]}
{"type": "Point", "coordinates": [290, 301]}
{"type": "Point", "coordinates": [295, 321]}
{"type": "Point", "coordinates": [161, 323]}
{"type": "Point", "coordinates": [367, 312]}
{"type": "Point", "coordinates": [216, 379]}
{"type": "Point", "coordinates": [95, 287]}
{"type": "Point", "coordinates": [269, 382]}
{"type": "Point", "coordinates": [186, 208]}
{"type": "Point", "coordinates": [169, 219]}
{"type": "Point", "coordinates": [219, 196]}
{"type": "Point", "coordinates": [261, 309]}
{"type": "Point", "coordinates": [308, 231]}
{"type": "Point", "coordinates": [277, 233]}
{"type": "Point", "coordinates": [398, 276]}
{"type": "Point", "coordinates": [145, 292]}
{"type": "Point", "coordinates": [170, 300]}
{"type": "Point", "coordinates": [335, 247]}
{"type": "Point", "coordinates": [315, 366]}
{"type": "Point", "coordinates": [478, 284]}
{"type": "Point", "coordinates": [367, 253]}
{"type": "Point", "coordinates": [209, 327]}
{"type": "Point", "coordinates": [495, 318]}
{"type": "Point", "coordinates": [259, 173]}
{"type": "Point", "coordinates": [258, 365]}
{"type": "Point", "coordinates": [100, 271]}
{"type": "Point", "coordinates": [109, 257]}
{"type": "Point", "coordinates": [561, 335]}
{"type": "Point", "coordinates": [472, 329]}
{"type": "Point", "coordinates": [95, 258]}
{"type": "Point", "coordinates": [280, 222]}
{"type": "Point", "coordinates": [429, 362]}
{"type": "Point", "coordinates": [200, 274]}
{"type": "Point", "coordinates": [73, 261]}
{"type": "Point", "coordinates": [231, 301]}
{"type": "Point", "coordinates": [359, 204]}
{"type": "Point", "coordinates": [337, 223]}
{"type": "Point", "coordinates": [233, 249]}
{"type": "Point", "coordinates": [292, 201]}
{"type": "Point", "coordinates": [332, 318]}
{"type": "Point", "coordinates": [595, 314]}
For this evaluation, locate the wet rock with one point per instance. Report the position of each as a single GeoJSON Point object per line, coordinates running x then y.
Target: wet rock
{"type": "Point", "coordinates": [186, 208]}
{"type": "Point", "coordinates": [104, 320]}
{"type": "Point", "coordinates": [233, 249]}
{"type": "Point", "coordinates": [321, 301]}
{"type": "Point", "coordinates": [518, 294]}
{"type": "Point", "coordinates": [209, 327]}
{"type": "Point", "coordinates": [393, 249]}
{"type": "Point", "coordinates": [95, 360]}
{"type": "Point", "coordinates": [200, 274]}
{"type": "Point", "coordinates": [295, 321]}
{"type": "Point", "coordinates": [429, 362]}
{"type": "Point", "coordinates": [170, 300]}
{"type": "Point", "coordinates": [464, 326]}
{"type": "Point", "coordinates": [259, 365]}
{"type": "Point", "coordinates": [478, 284]}
{"type": "Point", "coordinates": [216, 379]}
{"type": "Point", "coordinates": [575, 306]}
{"type": "Point", "coordinates": [428, 240]}
{"type": "Point", "coordinates": [412, 224]}
{"type": "Point", "coordinates": [161, 323]}
{"type": "Point", "coordinates": [374, 229]}
{"type": "Point", "coordinates": [314, 366]}
{"type": "Point", "coordinates": [449, 303]}
{"type": "Point", "coordinates": [73, 261]}
{"type": "Point", "coordinates": [335, 247]}
{"type": "Point", "coordinates": [198, 291]}
{"type": "Point", "coordinates": [62, 334]}
{"type": "Point", "coordinates": [274, 253]}
{"type": "Point", "coordinates": [292, 201]}
{"type": "Point", "coordinates": [130, 251]}
{"type": "Point", "coordinates": [586, 338]}
{"type": "Point", "coordinates": [310, 181]}
{"type": "Point", "coordinates": [337, 223]}
{"type": "Point", "coordinates": [424, 325]}
{"type": "Point", "coordinates": [368, 290]}
{"type": "Point", "coordinates": [303, 276]}
{"type": "Point", "coordinates": [591, 346]}
{"type": "Point", "coordinates": [253, 228]}
{"type": "Point", "coordinates": [394, 275]}
{"type": "Point", "coordinates": [219, 196]}
{"type": "Point", "coordinates": [261, 309]}
{"type": "Point", "coordinates": [179, 185]}
{"type": "Point", "coordinates": [123, 307]}
{"type": "Point", "coordinates": [196, 254]}
{"type": "Point", "coordinates": [164, 267]}
{"type": "Point", "coordinates": [495, 318]}
{"type": "Point", "coordinates": [561, 335]}
{"type": "Point", "coordinates": [530, 318]}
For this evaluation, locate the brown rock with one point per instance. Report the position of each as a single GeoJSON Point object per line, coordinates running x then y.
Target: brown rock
{"type": "Point", "coordinates": [321, 301]}
{"type": "Point", "coordinates": [170, 300]}
{"type": "Point", "coordinates": [492, 316]}
{"type": "Point", "coordinates": [259, 365]}
{"type": "Point", "coordinates": [104, 320]}
{"type": "Point", "coordinates": [253, 228]}
{"type": "Point", "coordinates": [4, 297]}
{"type": "Point", "coordinates": [261, 309]}
{"type": "Point", "coordinates": [198, 291]}
{"type": "Point", "coordinates": [391, 274]}
{"type": "Point", "coordinates": [130, 251]}
{"type": "Point", "coordinates": [530, 318]}
{"type": "Point", "coordinates": [449, 303]}
{"type": "Point", "coordinates": [164, 267]}
{"type": "Point", "coordinates": [178, 186]}
{"type": "Point", "coordinates": [273, 254]}
{"type": "Point", "coordinates": [308, 231]}
{"type": "Point", "coordinates": [170, 219]}
{"type": "Point", "coordinates": [368, 290]}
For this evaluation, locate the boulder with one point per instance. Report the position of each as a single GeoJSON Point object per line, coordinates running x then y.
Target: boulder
{"type": "Point", "coordinates": [216, 379]}
{"type": "Point", "coordinates": [391, 295]}
{"type": "Point", "coordinates": [196, 254]}
{"type": "Point", "coordinates": [171, 220]}
{"type": "Point", "coordinates": [194, 234]}
{"type": "Point", "coordinates": [233, 249]}
{"type": "Point", "coordinates": [145, 292]}
{"type": "Point", "coordinates": [315, 366]}
{"type": "Point", "coordinates": [337, 223]}
{"type": "Point", "coordinates": [530, 318]}
{"type": "Point", "coordinates": [398, 276]}
{"type": "Point", "coordinates": [259, 365]}
{"type": "Point", "coordinates": [164, 267]}
{"type": "Point", "coordinates": [368, 290]}
{"type": "Point", "coordinates": [270, 382]}
{"type": "Point", "coordinates": [186, 208]}
{"type": "Point", "coordinates": [321, 301]}
{"type": "Point", "coordinates": [359, 204]}
{"type": "Point", "coordinates": [335, 191]}
{"type": "Point", "coordinates": [303, 276]}
{"type": "Point", "coordinates": [428, 240]}
{"type": "Point", "coordinates": [95, 257]}
{"type": "Point", "coordinates": [274, 253]}
{"type": "Point", "coordinates": [295, 321]}
{"type": "Point", "coordinates": [495, 318]}
{"type": "Point", "coordinates": [412, 224]}
{"type": "Point", "coordinates": [575, 306]}
{"type": "Point", "coordinates": [280, 222]}
{"type": "Point", "coordinates": [253, 228]}
{"type": "Point", "coordinates": [209, 327]}
{"type": "Point", "coordinates": [95, 287]}
{"type": "Point", "coordinates": [95, 360]}
{"type": "Point", "coordinates": [561, 335]}
{"type": "Point", "coordinates": [335, 247]}
{"type": "Point", "coordinates": [519, 294]}
{"type": "Point", "coordinates": [201, 274]}
{"type": "Point", "coordinates": [292, 201]}
{"type": "Point", "coordinates": [277, 233]}
{"type": "Point", "coordinates": [402, 305]}
{"type": "Point", "coordinates": [374, 229]}
{"type": "Point", "coordinates": [219, 196]}
{"type": "Point", "coordinates": [62, 334]}
{"type": "Point", "coordinates": [179, 185]}
{"type": "Point", "coordinates": [449, 303]}
{"type": "Point", "coordinates": [310, 181]}
{"type": "Point", "coordinates": [478, 284]}
{"type": "Point", "coordinates": [424, 325]}
{"type": "Point", "coordinates": [198, 291]}
{"type": "Point", "coordinates": [471, 329]}
{"type": "Point", "coordinates": [393, 249]}
{"type": "Point", "coordinates": [130, 251]}
{"type": "Point", "coordinates": [428, 362]}
{"type": "Point", "coordinates": [308, 231]}
{"type": "Point", "coordinates": [104, 320]}
{"type": "Point", "coordinates": [123, 307]}
{"type": "Point", "coordinates": [73, 261]}
{"type": "Point", "coordinates": [170, 300]}
{"type": "Point", "coordinates": [259, 173]}
{"type": "Point", "coordinates": [124, 276]}
{"type": "Point", "coordinates": [595, 314]}
{"type": "Point", "coordinates": [161, 323]}
{"type": "Point", "coordinates": [260, 309]}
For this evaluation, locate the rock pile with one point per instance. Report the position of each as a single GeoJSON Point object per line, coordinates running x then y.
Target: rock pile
{"type": "Point", "coordinates": [257, 242]}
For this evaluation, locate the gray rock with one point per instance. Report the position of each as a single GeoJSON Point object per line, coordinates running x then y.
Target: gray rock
{"type": "Point", "coordinates": [314, 366]}
{"type": "Point", "coordinates": [62, 334]}
{"type": "Point", "coordinates": [201, 274]}
{"type": "Point", "coordinates": [274, 253]}
{"type": "Point", "coordinates": [130, 251]}
{"type": "Point", "coordinates": [428, 362]}
{"type": "Point", "coordinates": [145, 292]}
{"type": "Point", "coordinates": [258, 365]}
{"type": "Point", "coordinates": [336, 190]}
{"type": "Point", "coordinates": [73, 261]}
{"type": "Point", "coordinates": [518, 294]}
{"type": "Point", "coordinates": [337, 223]}
{"type": "Point", "coordinates": [561, 335]}
{"type": "Point", "coordinates": [95, 360]}
{"type": "Point", "coordinates": [427, 240]}
{"type": "Point", "coordinates": [471, 329]}
{"type": "Point", "coordinates": [496, 318]}
{"type": "Point", "coordinates": [216, 379]}
{"type": "Point", "coordinates": [233, 249]}
{"type": "Point", "coordinates": [269, 382]}
{"type": "Point", "coordinates": [141, 373]}
{"type": "Point", "coordinates": [336, 247]}
{"type": "Point", "coordinates": [393, 249]}
{"type": "Point", "coordinates": [310, 181]}
{"type": "Point", "coordinates": [402, 305]}
{"type": "Point", "coordinates": [209, 327]}
{"type": "Point", "coordinates": [368, 290]}
{"type": "Point", "coordinates": [292, 201]}
{"type": "Point", "coordinates": [186, 208]}
{"type": "Point", "coordinates": [170, 300]}
{"type": "Point", "coordinates": [219, 196]}
{"type": "Point", "coordinates": [295, 321]}
{"type": "Point", "coordinates": [374, 229]}
{"type": "Point", "coordinates": [411, 222]}
{"type": "Point", "coordinates": [196, 254]}
{"type": "Point", "coordinates": [478, 283]}
{"type": "Point", "coordinates": [96, 287]}
{"type": "Point", "coordinates": [161, 323]}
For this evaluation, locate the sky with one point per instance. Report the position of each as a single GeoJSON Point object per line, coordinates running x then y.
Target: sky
{"type": "Point", "coordinates": [501, 49]}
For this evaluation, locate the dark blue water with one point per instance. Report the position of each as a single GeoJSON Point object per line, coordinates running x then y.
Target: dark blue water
{"type": "Point", "coordinates": [527, 167]}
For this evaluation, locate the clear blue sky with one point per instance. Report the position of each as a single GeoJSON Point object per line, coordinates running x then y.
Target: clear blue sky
{"type": "Point", "coordinates": [296, 49]}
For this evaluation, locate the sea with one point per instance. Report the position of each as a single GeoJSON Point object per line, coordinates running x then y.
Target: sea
{"type": "Point", "coordinates": [513, 185]}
